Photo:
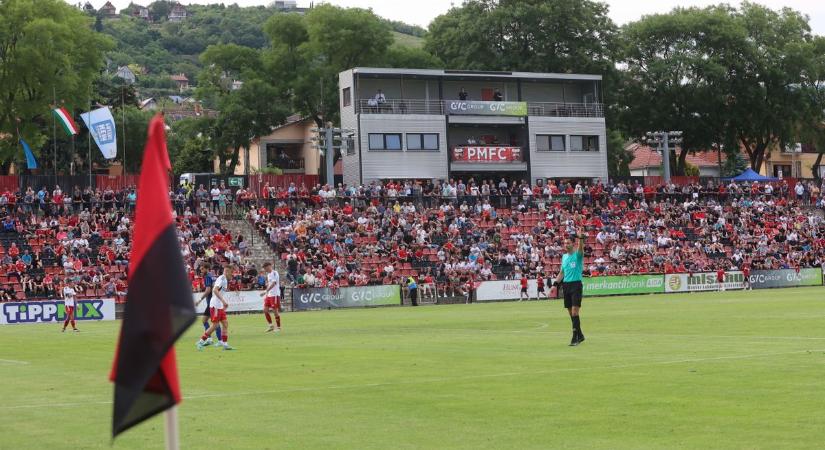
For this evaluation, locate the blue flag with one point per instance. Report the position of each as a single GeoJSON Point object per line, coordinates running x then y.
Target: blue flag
{"type": "Point", "coordinates": [30, 161]}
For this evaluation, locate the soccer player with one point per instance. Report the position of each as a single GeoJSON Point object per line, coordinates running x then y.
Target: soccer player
{"type": "Point", "coordinates": [218, 316]}
{"type": "Point", "coordinates": [746, 273]}
{"type": "Point", "coordinates": [523, 293]}
{"type": "Point", "coordinates": [272, 301]}
{"type": "Point", "coordinates": [720, 278]}
{"type": "Point", "coordinates": [208, 281]}
{"type": "Point", "coordinates": [571, 278]}
{"type": "Point", "coordinates": [69, 294]}
{"type": "Point", "coordinates": [540, 287]}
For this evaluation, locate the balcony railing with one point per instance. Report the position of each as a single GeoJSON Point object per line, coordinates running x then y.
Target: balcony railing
{"type": "Point", "coordinates": [370, 106]}
{"type": "Point", "coordinates": [436, 107]}
{"type": "Point", "coordinates": [289, 165]}
{"type": "Point", "coordinates": [565, 109]}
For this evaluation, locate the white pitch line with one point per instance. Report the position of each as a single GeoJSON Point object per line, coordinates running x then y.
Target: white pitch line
{"type": "Point", "coordinates": [14, 361]}
{"type": "Point", "coordinates": [536, 331]}
{"type": "Point", "coordinates": [433, 380]}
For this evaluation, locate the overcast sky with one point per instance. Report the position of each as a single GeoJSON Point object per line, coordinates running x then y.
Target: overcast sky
{"type": "Point", "coordinates": [421, 12]}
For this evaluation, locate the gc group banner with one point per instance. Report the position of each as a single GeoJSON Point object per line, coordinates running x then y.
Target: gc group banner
{"type": "Point", "coordinates": [761, 279]}
{"type": "Point", "coordinates": [481, 108]}
{"type": "Point", "coordinates": [697, 282]}
{"type": "Point", "coordinates": [348, 297]}
{"type": "Point", "coordinates": [54, 311]}
{"type": "Point", "coordinates": [623, 285]}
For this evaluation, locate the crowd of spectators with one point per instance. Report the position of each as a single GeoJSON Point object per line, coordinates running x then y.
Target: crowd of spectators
{"type": "Point", "coordinates": [456, 233]}
{"type": "Point", "coordinates": [448, 234]}
{"type": "Point", "coordinates": [50, 238]}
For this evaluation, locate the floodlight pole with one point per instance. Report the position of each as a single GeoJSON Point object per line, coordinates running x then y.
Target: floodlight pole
{"type": "Point", "coordinates": [666, 156]}
{"type": "Point", "coordinates": [330, 154]}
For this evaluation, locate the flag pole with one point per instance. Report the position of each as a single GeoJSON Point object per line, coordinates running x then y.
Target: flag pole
{"type": "Point", "coordinates": [123, 116]}
{"type": "Point", "coordinates": [54, 133]}
{"type": "Point", "coordinates": [171, 421]}
{"type": "Point", "coordinates": [90, 137]}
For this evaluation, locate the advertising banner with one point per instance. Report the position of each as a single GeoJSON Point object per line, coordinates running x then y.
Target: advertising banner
{"type": "Point", "coordinates": [504, 290]}
{"type": "Point", "coordinates": [239, 301]}
{"type": "Point", "coordinates": [487, 154]}
{"type": "Point", "coordinates": [348, 297]}
{"type": "Point", "coordinates": [696, 282]}
{"type": "Point", "coordinates": [761, 279]}
{"type": "Point", "coordinates": [479, 108]}
{"type": "Point", "coordinates": [623, 285]}
{"type": "Point", "coordinates": [54, 311]}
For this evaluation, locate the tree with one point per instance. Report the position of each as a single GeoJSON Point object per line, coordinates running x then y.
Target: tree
{"type": "Point", "coordinates": [770, 86]}
{"type": "Point", "coordinates": [49, 51]}
{"type": "Point", "coordinates": [529, 35]}
{"type": "Point", "coordinates": [675, 77]}
{"type": "Point", "coordinates": [245, 114]}
{"type": "Point", "coordinates": [307, 54]}
{"type": "Point", "coordinates": [728, 78]}
{"type": "Point", "coordinates": [618, 157]}
{"type": "Point", "coordinates": [734, 165]}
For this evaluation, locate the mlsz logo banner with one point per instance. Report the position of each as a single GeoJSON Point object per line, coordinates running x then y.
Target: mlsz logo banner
{"type": "Point", "coordinates": [53, 311]}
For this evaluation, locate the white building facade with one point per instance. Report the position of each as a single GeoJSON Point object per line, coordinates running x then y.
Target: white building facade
{"type": "Point", "coordinates": [442, 124]}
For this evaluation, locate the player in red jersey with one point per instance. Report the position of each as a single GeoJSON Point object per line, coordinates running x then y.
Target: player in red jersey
{"type": "Point", "coordinates": [523, 293]}
{"type": "Point", "coordinates": [69, 294]}
{"type": "Point", "coordinates": [720, 278]}
{"type": "Point", "coordinates": [272, 299]}
{"type": "Point", "coordinates": [746, 273]}
{"type": "Point", "coordinates": [540, 287]}
{"type": "Point", "coordinates": [218, 316]}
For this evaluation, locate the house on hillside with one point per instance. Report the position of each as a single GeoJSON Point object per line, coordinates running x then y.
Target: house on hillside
{"type": "Point", "coordinates": [289, 6]}
{"type": "Point", "coordinates": [236, 84]}
{"type": "Point", "coordinates": [140, 12]}
{"type": "Point", "coordinates": [288, 147]}
{"type": "Point", "coordinates": [181, 81]}
{"type": "Point", "coordinates": [88, 8]}
{"type": "Point", "coordinates": [108, 11]}
{"type": "Point", "coordinates": [647, 162]}
{"type": "Point", "coordinates": [177, 13]}
{"type": "Point", "coordinates": [126, 74]}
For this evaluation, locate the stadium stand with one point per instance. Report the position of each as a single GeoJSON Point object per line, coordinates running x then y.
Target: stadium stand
{"type": "Point", "coordinates": [446, 234]}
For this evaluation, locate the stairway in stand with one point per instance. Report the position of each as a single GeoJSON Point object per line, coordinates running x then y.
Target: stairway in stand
{"type": "Point", "coordinates": [259, 252]}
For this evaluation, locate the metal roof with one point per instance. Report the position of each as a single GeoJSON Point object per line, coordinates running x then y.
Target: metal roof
{"type": "Point", "coordinates": [463, 74]}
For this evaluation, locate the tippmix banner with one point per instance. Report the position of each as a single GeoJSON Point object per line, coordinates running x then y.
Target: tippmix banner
{"type": "Point", "coordinates": [54, 311]}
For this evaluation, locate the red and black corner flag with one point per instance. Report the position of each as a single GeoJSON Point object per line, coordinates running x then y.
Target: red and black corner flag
{"type": "Point", "coordinates": [159, 305]}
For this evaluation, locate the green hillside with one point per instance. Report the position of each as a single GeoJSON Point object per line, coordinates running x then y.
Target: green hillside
{"type": "Point", "coordinates": [408, 40]}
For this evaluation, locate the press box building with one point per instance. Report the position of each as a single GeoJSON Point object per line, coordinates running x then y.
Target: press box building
{"type": "Point", "coordinates": [414, 124]}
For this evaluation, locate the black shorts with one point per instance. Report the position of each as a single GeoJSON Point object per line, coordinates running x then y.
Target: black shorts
{"type": "Point", "coordinates": [572, 293]}
{"type": "Point", "coordinates": [523, 290]}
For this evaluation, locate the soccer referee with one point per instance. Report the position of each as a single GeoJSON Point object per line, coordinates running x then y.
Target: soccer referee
{"type": "Point", "coordinates": [570, 278]}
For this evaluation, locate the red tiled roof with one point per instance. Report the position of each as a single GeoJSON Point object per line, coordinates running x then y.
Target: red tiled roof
{"type": "Point", "coordinates": [645, 156]}
{"type": "Point", "coordinates": [180, 77]}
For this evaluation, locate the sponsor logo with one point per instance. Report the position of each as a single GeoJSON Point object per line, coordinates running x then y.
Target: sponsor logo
{"type": "Point", "coordinates": [52, 311]}
{"type": "Point", "coordinates": [674, 282]}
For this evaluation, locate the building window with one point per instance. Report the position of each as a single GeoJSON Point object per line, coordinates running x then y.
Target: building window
{"type": "Point", "coordinates": [584, 143]}
{"type": "Point", "coordinates": [385, 141]}
{"type": "Point", "coordinates": [346, 95]}
{"type": "Point", "coordinates": [550, 143]}
{"type": "Point", "coordinates": [422, 141]}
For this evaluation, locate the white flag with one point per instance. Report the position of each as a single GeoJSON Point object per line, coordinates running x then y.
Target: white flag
{"type": "Point", "coordinates": [102, 126]}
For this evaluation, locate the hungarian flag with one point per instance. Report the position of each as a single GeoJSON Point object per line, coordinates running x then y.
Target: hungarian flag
{"type": "Point", "coordinates": [159, 305]}
{"type": "Point", "coordinates": [65, 120]}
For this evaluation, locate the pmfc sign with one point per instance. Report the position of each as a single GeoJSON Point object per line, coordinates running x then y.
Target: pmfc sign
{"type": "Point", "coordinates": [487, 154]}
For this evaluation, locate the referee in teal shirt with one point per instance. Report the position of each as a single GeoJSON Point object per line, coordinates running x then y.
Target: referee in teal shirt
{"type": "Point", "coordinates": [570, 278]}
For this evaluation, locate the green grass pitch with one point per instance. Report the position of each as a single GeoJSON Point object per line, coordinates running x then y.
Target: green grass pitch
{"type": "Point", "coordinates": [713, 370]}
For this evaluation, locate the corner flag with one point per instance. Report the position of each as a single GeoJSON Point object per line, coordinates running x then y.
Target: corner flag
{"type": "Point", "coordinates": [159, 304]}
